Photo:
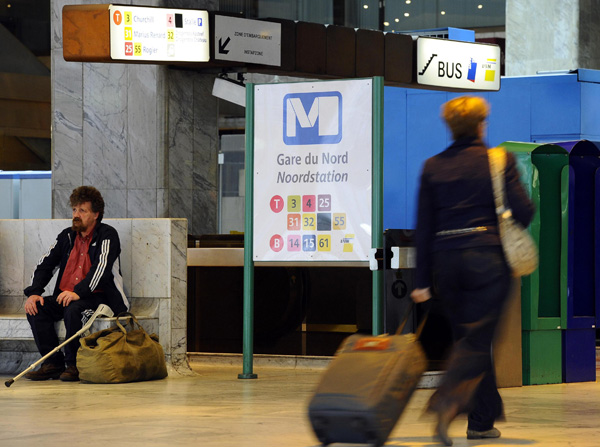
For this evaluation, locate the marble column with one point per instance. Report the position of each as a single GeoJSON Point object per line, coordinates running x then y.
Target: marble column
{"type": "Point", "coordinates": [145, 135]}
{"type": "Point", "coordinates": [551, 35]}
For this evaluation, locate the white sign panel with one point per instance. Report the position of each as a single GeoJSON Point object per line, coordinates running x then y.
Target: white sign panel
{"type": "Point", "coordinates": [245, 40]}
{"type": "Point", "coordinates": [312, 171]}
{"type": "Point", "coordinates": [158, 34]}
{"type": "Point", "coordinates": [454, 64]}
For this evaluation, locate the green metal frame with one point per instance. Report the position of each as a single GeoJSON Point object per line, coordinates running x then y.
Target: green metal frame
{"type": "Point", "coordinates": [377, 201]}
{"type": "Point", "coordinates": [248, 318]}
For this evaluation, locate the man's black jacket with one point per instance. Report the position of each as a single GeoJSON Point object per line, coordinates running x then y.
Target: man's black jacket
{"type": "Point", "coordinates": [104, 274]}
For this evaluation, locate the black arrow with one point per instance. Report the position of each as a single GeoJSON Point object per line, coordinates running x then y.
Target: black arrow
{"type": "Point", "coordinates": [222, 45]}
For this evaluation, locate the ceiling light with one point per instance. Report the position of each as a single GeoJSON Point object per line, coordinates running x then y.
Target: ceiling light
{"type": "Point", "coordinates": [396, 20]}
{"type": "Point", "coordinates": [406, 14]}
{"type": "Point", "coordinates": [366, 6]}
{"type": "Point", "coordinates": [408, 2]}
{"type": "Point", "coordinates": [479, 6]}
{"type": "Point", "coordinates": [386, 23]}
{"type": "Point", "coordinates": [443, 13]}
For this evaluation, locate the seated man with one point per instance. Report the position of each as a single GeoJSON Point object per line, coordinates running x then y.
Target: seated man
{"type": "Point", "coordinates": [87, 255]}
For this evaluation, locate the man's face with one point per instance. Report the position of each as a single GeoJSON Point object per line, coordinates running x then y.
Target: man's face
{"type": "Point", "coordinates": [83, 217]}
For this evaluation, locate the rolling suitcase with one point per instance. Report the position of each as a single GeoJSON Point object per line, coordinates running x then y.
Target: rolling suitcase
{"type": "Point", "coordinates": [367, 386]}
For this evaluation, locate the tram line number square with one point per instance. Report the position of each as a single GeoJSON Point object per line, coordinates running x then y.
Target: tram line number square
{"type": "Point", "coordinates": [339, 221]}
{"type": "Point", "coordinates": [324, 202]}
{"type": "Point", "coordinates": [128, 48]}
{"type": "Point", "coordinates": [309, 221]}
{"type": "Point", "coordinates": [308, 203]}
{"type": "Point", "coordinates": [293, 221]}
{"type": "Point", "coordinates": [323, 221]}
{"type": "Point", "coordinates": [294, 203]}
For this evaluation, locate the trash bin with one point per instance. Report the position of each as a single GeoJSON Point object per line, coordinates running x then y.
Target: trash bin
{"type": "Point", "coordinates": [579, 335]}
{"type": "Point", "coordinates": [544, 171]}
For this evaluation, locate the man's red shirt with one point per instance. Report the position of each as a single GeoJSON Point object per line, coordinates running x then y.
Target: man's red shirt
{"type": "Point", "coordinates": [79, 263]}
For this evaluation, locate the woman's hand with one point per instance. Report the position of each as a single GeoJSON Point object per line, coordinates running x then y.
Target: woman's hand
{"type": "Point", "coordinates": [421, 295]}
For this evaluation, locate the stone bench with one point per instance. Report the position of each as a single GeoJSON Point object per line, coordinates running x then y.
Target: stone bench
{"type": "Point", "coordinates": [153, 265]}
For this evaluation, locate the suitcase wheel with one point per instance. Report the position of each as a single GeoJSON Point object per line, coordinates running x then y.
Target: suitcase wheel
{"type": "Point", "coordinates": [319, 425]}
{"type": "Point", "coordinates": [373, 440]}
{"type": "Point", "coordinates": [322, 438]}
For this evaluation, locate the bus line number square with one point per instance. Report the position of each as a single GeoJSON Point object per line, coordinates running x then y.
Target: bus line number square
{"type": "Point", "coordinates": [323, 221]}
{"type": "Point", "coordinates": [324, 242]}
{"type": "Point", "coordinates": [309, 242]}
{"type": "Point", "coordinates": [294, 243]}
{"type": "Point", "coordinates": [293, 221]}
{"type": "Point", "coordinates": [308, 203]}
{"type": "Point", "coordinates": [178, 20]}
{"type": "Point", "coordinates": [309, 221]}
{"type": "Point", "coordinates": [294, 203]}
{"type": "Point", "coordinates": [324, 202]}
{"type": "Point", "coordinates": [339, 221]}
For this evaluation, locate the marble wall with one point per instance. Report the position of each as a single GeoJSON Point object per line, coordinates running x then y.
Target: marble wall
{"type": "Point", "coordinates": [145, 135]}
{"type": "Point", "coordinates": [551, 35]}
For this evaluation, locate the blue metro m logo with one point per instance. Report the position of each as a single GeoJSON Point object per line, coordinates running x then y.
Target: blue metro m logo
{"type": "Point", "coordinates": [312, 118]}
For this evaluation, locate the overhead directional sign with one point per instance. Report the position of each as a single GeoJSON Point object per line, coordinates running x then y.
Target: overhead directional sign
{"type": "Point", "coordinates": [454, 64]}
{"type": "Point", "coordinates": [245, 40]}
{"type": "Point", "coordinates": [158, 34]}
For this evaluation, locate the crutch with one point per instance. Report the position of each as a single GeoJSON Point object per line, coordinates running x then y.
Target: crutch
{"type": "Point", "coordinates": [102, 309]}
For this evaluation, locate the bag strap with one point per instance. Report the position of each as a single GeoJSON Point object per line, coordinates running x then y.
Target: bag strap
{"type": "Point", "coordinates": [497, 160]}
{"type": "Point", "coordinates": [132, 320]}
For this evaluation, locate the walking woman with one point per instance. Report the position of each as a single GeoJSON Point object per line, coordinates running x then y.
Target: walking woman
{"type": "Point", "coordinates": [459, 256]}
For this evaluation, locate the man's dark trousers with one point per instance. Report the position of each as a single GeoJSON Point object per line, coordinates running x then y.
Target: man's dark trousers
{"type": "Point", "coordinates": [75, 315]}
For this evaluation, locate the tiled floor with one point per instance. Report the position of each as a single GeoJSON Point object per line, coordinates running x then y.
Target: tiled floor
{"type": "Point", "coordinates": [215, 408]}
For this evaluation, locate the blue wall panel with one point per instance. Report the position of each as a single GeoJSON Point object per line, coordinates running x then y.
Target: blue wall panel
{"type": "Point", "coordinates": [528, 109]}
{"type": "Point", "coordinates": [590, 111]}
{"type": "Point", "coordinates": [555, 108]}
{"type": "Point", "coordinates": [394, 142]}
{"type": "Point", "coordinates": [510, 115]}
{"type": "Point", "coordinates": [427, 137]}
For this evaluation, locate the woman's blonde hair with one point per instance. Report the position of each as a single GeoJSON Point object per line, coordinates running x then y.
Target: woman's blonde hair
{"type": "Point", "coordinates": [464, 115]}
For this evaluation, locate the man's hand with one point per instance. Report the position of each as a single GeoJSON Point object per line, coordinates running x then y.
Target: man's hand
{"type": "Point", "coordinates": [420, 295]}
{"type": "Point", "coordinates": [65, 298]}
{"type": "Point", "coordinates": [31, 304]}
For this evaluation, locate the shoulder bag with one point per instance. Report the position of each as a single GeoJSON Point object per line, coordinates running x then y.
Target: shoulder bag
{"type": "Point", "coordinates": [520, 250]}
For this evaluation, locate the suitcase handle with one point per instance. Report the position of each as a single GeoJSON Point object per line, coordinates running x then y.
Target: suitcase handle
{"type": "Point", "coordinates": [411, 308]}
